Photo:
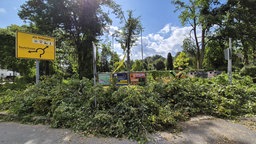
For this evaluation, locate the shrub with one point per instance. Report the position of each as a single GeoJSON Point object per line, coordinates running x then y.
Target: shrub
{"type": "Point", "coordinates": [42, 105]}
{"type": "Point", "coordinates": [133, 106]}
{"type": "Point", "coordinates": [7, 98]}
{"type": "Point", "coordinates": [130, 111]}
{"type": "Point", "coordinates": [64, 116]}
{"type": "Point", "coordinates": [248, 71]}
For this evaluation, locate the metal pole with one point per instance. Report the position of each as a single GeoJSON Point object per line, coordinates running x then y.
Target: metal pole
{"type": "Point", "coordinates": [37, 71]}
{"type": "Point", "coordinates": [94, 70]}
{"type": "Point", "coordinates": [113, 41]}
{"type": "Point", "coordinates": [141, 45]}
{"type": "Point", "coordinates": [230, 61]}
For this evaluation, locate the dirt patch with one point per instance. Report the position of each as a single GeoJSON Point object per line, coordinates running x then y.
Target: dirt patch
{"type": "Point", "coordinates": [249, 122]}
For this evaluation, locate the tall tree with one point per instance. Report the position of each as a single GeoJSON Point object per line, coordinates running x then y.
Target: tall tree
{"type": "Point", "coordinates": [190, 49]}
{"type": "Point", "coordinates": [181, 61]}
{"type": "Point", "coordinates": [82, 20]}
{"type": "Point", "coordinates": [105, 58]}
{"type": "Point", "coordinates": [198, 14]}
{"type": "Point", "coordinates": [137, 65]}
{"type": "Point", "coordinates": [169, 63]}
{"type": "Point", "coordinates": [159, 64]}
{"type": "Point", "coordinates": [129, 35]}
{"type": "Point", "coordinates": [238, 22]}
{"type": "Point", "coordinates": [114, 60]}
{"type": "Point", "coordinates": [214, 57]}
{"type": "Point", "coordinates": [66, 58]}
{"type": "Point", "coordinates": [150, 61]}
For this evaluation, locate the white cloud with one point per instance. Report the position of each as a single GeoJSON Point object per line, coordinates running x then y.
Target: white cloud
{"type": "Point", "coordinates": [155, 37]}
{"type": "Point", "coordinates": [110, 30]}
{"type": "Point", "coordinates": [166, 29]}
{"type": "Point", "coordinates": [2, 10]}
{"type": "Point", "coordinates": [168, 39]}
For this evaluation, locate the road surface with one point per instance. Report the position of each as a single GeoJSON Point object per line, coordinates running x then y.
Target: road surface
{"type": "Point", "coordinates": [199, 130]}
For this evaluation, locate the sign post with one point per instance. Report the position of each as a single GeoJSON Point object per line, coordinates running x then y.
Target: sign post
{"type": "Point", "coordinates": [228, 56]}
{"type": "Point", "coordinates": [33, 46]}
{"type": "Point", "coordinates": [230, 61]}
{"type": "Point", "coordinates": [37, 71]}
{"type": "Point", "coordinates": [94, 69]}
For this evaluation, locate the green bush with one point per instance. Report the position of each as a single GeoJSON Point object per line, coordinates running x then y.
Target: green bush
{"type": "Point", "coordinates": [42, 105]}
{"type": "Point", "coordinates": [248, 71]}
{"type": "Point", "coordinates": [7, 98]}
{"type": "Point", "coordinates": [134, 106]}
{"type": "Point", "coordinates": [34, 100]}
{"type": "Point", "coordinates": [64, 116]}
{"type": "Point", "coordinates": [161, 74]}
{"type": "Point", "coordinates": [129, 111]}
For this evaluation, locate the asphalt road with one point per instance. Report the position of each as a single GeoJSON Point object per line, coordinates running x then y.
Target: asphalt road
{"type": "Point", "coordinates": [199, 130]}
{"type": "Point", "coordinates": [15, 133]}
{"type": "Point", "coordinates": [214, 131]}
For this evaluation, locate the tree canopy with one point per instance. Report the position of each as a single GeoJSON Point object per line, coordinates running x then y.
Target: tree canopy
{"type": "Point", "coordinates": [181, 61]}
{"type": "Point", "coordinates": [199, 15]}
{"type": "Point", "coordinates": [169, 62]}
{"type": "Point", "coordinates": [129, 35]}
{"type": "Point", "coordinates": [82, 21]}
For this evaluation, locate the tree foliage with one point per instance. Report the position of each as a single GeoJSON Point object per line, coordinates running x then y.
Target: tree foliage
{"type": "Point", "coordinates": [150, 61]}
{"type": "Point", "coordinates": [129, 35]}
{"type": "Point", "coordinates": [169, 62]}
{"type": "Point", "coordinates": [137, 65]}
{"type": "Point", "coordinates": [82, 20]}
{"type": "Point", "coordinates": [159, 64]}
{"type": "Point", "coordinates": [114, 60]}
{"type": "Point", "coordinates": [181, 61]}
{"type": "Point", "coordinates": [66, 57]}
{"type": "Point", "coordinates": [189, 48]}
{"type": "Point", "coordinates": [7, 52]}
{"type": "Point", "coordinates": [105, 58]}
{"type": "Point", "coordinates": [238, 22]}
{"type": "Point", "coordinates": [214, 57]}
{"type": "Point", "coordinates": [131, 111]}
{"type": "Point", "coordinates": [199, 14]}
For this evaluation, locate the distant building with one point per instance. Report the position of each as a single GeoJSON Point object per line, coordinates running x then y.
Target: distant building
{"type": "Point", "coordinates": [4, 73]}
{"type": "Point", "coordinates": [203, 74]}
{"type": "Point", "coordinates": [212, 74]}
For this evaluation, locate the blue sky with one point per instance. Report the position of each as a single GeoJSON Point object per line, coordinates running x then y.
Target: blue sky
{"type": "Point", "coordinates": [155, 14]}
{"type": "Point", "coordinates": [162, 33]}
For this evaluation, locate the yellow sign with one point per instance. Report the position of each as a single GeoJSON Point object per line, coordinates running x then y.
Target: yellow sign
{"type": "Point", "coordinates": [35, 46]}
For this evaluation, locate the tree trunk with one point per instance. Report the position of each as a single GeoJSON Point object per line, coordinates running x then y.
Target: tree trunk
{"type": "Point", "coordinates": [128, 46]}
{"type": "Point", "coordinates": [202, 48]}
{"type": "Point", "coordinates": [198, 64]}
{"type": "Point", "coordinates": [85, 58]}
{"type": "Point", "coordinates": [128, 59]}
{"type": "Point", "coordinates": [44, 68]}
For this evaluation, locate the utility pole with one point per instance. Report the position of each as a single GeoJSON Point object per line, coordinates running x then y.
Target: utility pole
{"type": "Point", "coordinates": [37, 71]}
{"type": "Point", "coordinates": [228, 56]}
{"type": "Point", "coordinates": [230, 61]}
{"type": "Point", "coordinates": [94, 70]}
{"type": "Point", "coordinates": [141, 45]}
